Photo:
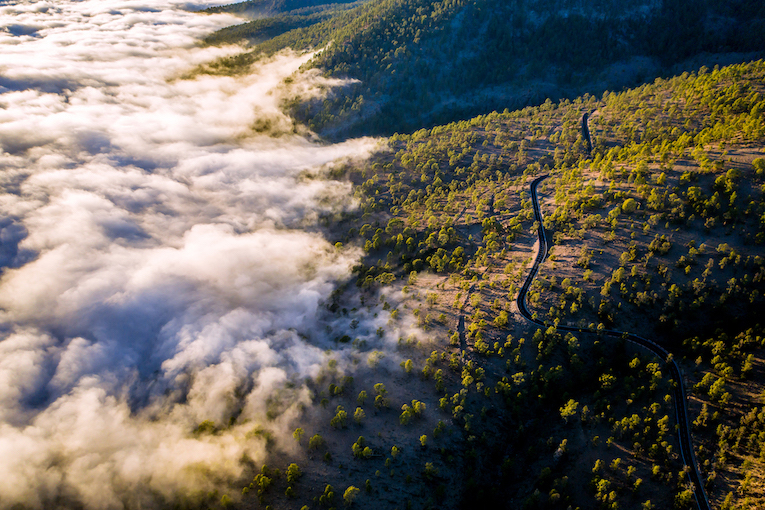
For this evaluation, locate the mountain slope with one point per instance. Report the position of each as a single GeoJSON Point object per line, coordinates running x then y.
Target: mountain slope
{"type": "Point", "coordinates": [422, 62]}
{"type": "Point", "coordinates": [657, 231]}
{"type": "Point", "coordinates": [258, 8]}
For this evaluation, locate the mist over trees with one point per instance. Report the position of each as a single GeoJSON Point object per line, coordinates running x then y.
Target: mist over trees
{"type": "Point", "coordinates": [654, 229]}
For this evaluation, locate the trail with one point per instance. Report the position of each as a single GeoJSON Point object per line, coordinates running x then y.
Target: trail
{"type": "Point", "coordinates": [681, 411]}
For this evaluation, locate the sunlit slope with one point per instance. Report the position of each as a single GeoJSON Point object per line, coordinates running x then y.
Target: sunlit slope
{"type": "Point", "coordinates": [659, 231]}
{"type": "Point", "coordinates": [423, 62]}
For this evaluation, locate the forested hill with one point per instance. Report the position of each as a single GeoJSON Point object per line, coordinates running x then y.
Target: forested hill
{"type": "Point", "coordinates": [423, 62]}
{"type": "Point", "coordinates": [272, 18]}
{"type": "Point", "coordinates": [658, 231]}
{"type": "Point", "coordinates": [256, 8]}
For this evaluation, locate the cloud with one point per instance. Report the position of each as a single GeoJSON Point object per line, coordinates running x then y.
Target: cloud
{"type": "Point", "coordinates": [160, 264]}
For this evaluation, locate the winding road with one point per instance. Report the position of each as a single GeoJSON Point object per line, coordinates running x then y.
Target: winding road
{"type": "Point", "coordinates": [681, 412]}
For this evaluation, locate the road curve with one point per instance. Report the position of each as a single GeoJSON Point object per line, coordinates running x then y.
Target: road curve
{"type": "Point", "coordinates": [681, 412]}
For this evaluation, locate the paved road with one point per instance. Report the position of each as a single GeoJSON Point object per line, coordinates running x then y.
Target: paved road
{"type": "Point", "coordinates": [586, 131]}
{"type": "Point", "coordinates": [681, 412]}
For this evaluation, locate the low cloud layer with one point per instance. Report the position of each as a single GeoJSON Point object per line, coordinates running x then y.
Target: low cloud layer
{"type": "Point", "coordinates": [158, 265]}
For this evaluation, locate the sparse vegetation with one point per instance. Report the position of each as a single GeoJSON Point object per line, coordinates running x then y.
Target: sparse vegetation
{"type": "Point", "coordinates": [657, 231]}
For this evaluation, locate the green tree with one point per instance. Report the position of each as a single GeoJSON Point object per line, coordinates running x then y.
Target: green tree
{"type": "Point", "coordinates": [293, 473]}
{"type": "Point", "coordinates": [430, 471]}
{"type": "Point", "coordinates": [629, 206]}
{"type": "Point", "coordinates": [350, 495]}
{"type": "Point", "coordinates": [381, 400]}
{"type": "Point", "coordinates": [315, 442]}
{"type": "Point", "coordinates": [341, 418]}
{"type": "Point", "coordinates": [569, 410]}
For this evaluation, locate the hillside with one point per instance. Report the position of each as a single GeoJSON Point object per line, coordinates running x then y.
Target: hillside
{"type": "Point", "coordinates": [270, 19]}
{"type": "Point", "coordinates": [423, 62]}
{"type": "Point", "coordinates": [659, 231]}
{"type": "Point", "coordinates": [264, 8]}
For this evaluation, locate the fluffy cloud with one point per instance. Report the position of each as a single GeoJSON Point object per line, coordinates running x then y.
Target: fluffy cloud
{"type": "Point", "coordinates": [157, 258]}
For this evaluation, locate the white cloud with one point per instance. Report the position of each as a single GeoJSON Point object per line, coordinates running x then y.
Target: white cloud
{"type": "Point", "coordinates": [155, 265]}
